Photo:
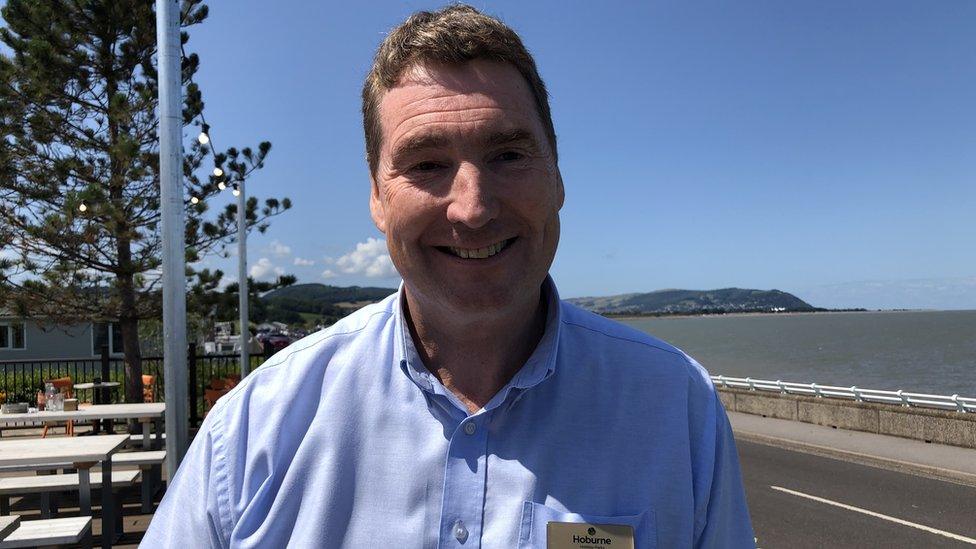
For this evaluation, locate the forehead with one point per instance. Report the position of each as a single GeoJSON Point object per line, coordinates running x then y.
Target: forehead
{"type": "Point", "coordinates": [475, 94]}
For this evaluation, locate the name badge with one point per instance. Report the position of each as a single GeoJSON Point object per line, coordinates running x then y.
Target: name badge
{"type": "Point", "coordinates": [579, 535]}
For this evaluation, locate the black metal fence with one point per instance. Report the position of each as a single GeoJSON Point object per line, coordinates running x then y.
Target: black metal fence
{"type": "Point", "coordinates": [20, 380]}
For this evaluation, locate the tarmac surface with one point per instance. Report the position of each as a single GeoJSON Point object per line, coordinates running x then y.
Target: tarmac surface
{"type": "Point", "coordinates": [875, 491]}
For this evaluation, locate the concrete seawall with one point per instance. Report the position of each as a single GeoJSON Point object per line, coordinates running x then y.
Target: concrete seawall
{"type": "Point", "coordinates": [943, 427]}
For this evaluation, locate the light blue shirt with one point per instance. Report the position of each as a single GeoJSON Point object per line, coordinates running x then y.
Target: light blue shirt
{"type": "Point", "coordinates": [344, 439]}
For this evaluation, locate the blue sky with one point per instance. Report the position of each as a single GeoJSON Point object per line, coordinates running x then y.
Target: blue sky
{"type": "Point", "coordinates": [822, 148]}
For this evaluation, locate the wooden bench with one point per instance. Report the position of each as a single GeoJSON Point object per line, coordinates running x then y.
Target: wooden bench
{"type": "Point", "coordinates": [8, 524]}
{"type": "Point", "coordinates": [152, 457]}
{"type": "Point", "coordinates": [46, 484]}
{"type": "Point", "coordinates": [21, 425]}
{"type": "Point", "coordinates": [59, 531]}
{"type": "Point", "coordinates": [136, 440]}
{"type": "Point", "coordinates": [45, 467]}
{"type": "Point", "coordinates": [147, 462]}
{"type": "Point", "coordinates": [37, 484]}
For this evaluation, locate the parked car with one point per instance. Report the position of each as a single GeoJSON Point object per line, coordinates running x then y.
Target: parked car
{"type": "Point", "coordinates": [275, 342]}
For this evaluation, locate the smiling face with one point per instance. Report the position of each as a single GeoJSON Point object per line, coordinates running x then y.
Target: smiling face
{"type": "Point", "coordinates": [466, 189]}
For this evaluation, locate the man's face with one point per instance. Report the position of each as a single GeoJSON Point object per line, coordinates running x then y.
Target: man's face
{"type": "Point", "coordinates": [466, 189]}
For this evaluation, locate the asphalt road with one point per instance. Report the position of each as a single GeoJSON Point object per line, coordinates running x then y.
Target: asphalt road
{"type": "Point", "coordinates": [794, 520]}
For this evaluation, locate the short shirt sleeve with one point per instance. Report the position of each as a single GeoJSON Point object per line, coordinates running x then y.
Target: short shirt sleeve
{"type": "Point", "coordinates": [726, 518]}
{"type": "Point", "coordinates": [190, 513]}
{"type": "Point", "coordinates": [721, 511]}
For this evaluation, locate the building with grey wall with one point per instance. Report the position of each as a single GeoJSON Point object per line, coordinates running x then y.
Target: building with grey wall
{"type": "Point", "coordinates": [33, 339]}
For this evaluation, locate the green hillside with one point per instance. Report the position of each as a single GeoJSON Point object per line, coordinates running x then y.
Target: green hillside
{"type": "Point", "coordinates": [318, 299]}
{"type": "Point", "coordinates": [724, 300]}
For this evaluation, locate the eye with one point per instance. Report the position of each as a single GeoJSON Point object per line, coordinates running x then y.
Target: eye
{"type": "Point", "coordinates": [510, 156]}
{"type": "Point", "coordinates": [426, 166]}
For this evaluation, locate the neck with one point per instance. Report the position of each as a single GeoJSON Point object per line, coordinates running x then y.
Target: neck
{"type": "Point", "coordinates": [475, 354]}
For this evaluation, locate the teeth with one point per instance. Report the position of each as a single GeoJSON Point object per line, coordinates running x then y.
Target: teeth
{"type": "Point", "coordinates": [480, 253]}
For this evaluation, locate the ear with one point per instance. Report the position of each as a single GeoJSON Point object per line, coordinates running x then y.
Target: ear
{"type": "Point", "coordinates": [376, 209]}
{"type": "Point", "coordinates": [560, 190]}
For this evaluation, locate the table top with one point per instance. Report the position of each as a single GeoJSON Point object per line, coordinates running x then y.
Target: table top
{"type": "Point", "coordinates": [39, 451]}
{"type": "Point", "coordinates": [99, 385]}
{"type": "Point", "coordinates": [8, 524]}
{"type": "Point", "coordinates": [150, 410]}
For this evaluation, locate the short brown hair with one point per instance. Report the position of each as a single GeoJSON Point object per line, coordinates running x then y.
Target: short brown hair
{"type": "Point", "coordinates": [452, 35]}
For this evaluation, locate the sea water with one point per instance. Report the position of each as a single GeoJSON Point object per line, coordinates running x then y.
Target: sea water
{"type": "Point", "coordinates": [918, 351]}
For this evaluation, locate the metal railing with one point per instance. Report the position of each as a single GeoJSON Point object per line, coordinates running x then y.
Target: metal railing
{"type": "Point", "coordinates": [857, 394]}
{"type": "Point", "coordinates": [21, 379]}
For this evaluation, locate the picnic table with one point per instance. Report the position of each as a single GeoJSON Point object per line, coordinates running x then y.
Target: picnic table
{"type": "Point", "coordinates": [97, 396]}
{"type": "Point", "coordinates": [83, 453]}
{"type": "Point", "coordinates": [100, 395]}
{"type": "Point", "coordinates": [148, 414]}
{"type": "Point", "coordinates": [8, 524]}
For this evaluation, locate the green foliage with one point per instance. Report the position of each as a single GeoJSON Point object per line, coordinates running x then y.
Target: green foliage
{"type": "Point", "coordinates": [321, 298]}
{"type": "Point", "coordinates": [209, 305]}
{"type": "Point", "coordinates": [310, 304]}
{"type": "Point", "coordinates": [78, 113]}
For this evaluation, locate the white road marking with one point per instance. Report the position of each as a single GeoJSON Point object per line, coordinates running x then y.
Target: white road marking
{"type": "Point", "coordinates": [922, 527]}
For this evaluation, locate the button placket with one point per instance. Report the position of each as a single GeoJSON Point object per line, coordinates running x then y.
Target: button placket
{"type": "Point", "coordinates": [464, 486]}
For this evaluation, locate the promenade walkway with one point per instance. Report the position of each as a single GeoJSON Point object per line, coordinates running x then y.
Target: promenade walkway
{"type": "Point", "coordinates": [888, 452]}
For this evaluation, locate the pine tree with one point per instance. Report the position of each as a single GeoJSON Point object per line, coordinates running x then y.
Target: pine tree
{"type": "Point", "coordinates": [79, 166]}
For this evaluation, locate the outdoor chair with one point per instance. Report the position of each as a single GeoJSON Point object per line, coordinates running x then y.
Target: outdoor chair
{"type": "Point", "coordinates": [148, 388]}
{"type": "Point", "coordinates": [218, 388]}
{"type": "Point", "coordinates": [64, 386]}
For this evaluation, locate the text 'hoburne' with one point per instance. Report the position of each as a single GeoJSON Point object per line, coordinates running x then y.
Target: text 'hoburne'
{"type": "Point", "coordinates": [588, 539]}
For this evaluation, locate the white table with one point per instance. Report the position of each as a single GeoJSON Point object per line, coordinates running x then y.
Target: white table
{"type": "Point", "coordinates": [83, 453]}
{"type": "Point", "coordinates": [150, 413]}
{"type": "Point", "coordinates": [8, 524]}
{"type": "Point", "coordinates": [99, 385]}
{"type": "Point", "coordinates": [99, 396]}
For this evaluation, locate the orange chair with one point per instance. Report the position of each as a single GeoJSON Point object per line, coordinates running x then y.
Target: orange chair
{"type": "Point", "coordinates": [218, 388]}
{"type": "Point", "coordinates": [66, 388]}
{"type": "Point", "coordinates": [148, 388]}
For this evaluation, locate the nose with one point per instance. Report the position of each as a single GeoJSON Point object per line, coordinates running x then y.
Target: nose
{"type": "Point", "coordinates": [472, 202]}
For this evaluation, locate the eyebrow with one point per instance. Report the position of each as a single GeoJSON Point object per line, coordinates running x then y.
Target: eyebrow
{"type": "Point", "coordinates": [517, 135]}
{"type": "Point", "coordinates": [427, 141]}
{"type": "Point", "coordinates": [418, 143]}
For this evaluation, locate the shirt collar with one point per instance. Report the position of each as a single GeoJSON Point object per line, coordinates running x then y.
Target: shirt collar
{"type": "Point", "coordinates": [540, 365]}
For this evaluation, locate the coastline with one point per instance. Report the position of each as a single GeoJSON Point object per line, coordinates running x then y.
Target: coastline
{"type": "Point", "coordinates": [785, 313]}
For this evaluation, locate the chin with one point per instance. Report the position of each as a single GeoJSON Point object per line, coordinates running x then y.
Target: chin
{"type": "Point", "coordinates": [472, 297]}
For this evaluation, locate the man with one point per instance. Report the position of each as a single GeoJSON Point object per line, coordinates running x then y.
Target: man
{"type": "Point", "coordinates": [473, 408]}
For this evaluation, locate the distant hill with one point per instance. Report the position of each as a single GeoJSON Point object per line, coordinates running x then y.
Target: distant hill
{"type": "Point", "coordinates": [726, 300]}
{"type": "Point", "coordinates": [321, 299]}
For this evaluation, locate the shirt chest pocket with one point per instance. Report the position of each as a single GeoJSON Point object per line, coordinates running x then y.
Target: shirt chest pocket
{"type": "Point", "coordinates": [536, 518]}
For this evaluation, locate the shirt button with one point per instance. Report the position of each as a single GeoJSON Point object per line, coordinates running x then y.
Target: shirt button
{"type": "Point", "coordinates": [460, 532]}
{"type": "Point", "coordinates": [470, 428]}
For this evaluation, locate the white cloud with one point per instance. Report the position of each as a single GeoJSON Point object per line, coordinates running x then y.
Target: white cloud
{"type": "Point", "coordinates": [226, 281]}
{"type": "Point", "coordinates": [264, 270]}
{"type": "Point", "coordinates": [280, 250]}
{"type": "Point", "coordinates": [329, 273]}
{"type": "Point", "coordinates": [928, 293]}
{"type": "Point", "coordinates": [302, 262]}
{"type": "Point", "coordinates": [369, 259]}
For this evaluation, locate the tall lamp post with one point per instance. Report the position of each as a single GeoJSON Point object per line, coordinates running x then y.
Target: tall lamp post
{"type": "Point", "coordinates": [242, 275]}
{"type": "Point", "coordinates": [174, 249]}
